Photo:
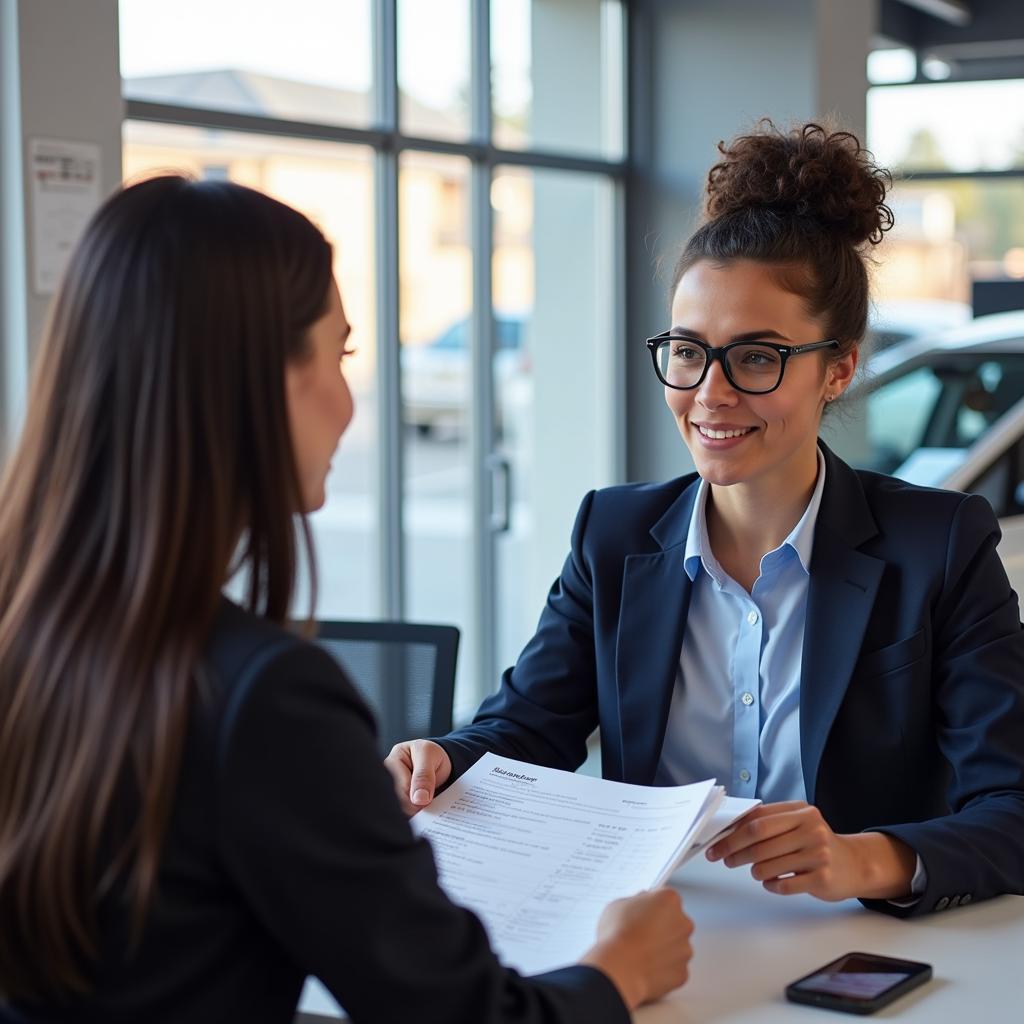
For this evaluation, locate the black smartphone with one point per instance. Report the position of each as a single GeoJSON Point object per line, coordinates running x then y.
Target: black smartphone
{"type": "Point", "coordinates": [858, 983]}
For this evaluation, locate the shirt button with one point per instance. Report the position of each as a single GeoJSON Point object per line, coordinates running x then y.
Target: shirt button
{"type": "Point", "coordinates": [748, 699]}
{"type": "Point", "coordinates": [752, 618]}
{"type": "Point", "coordinates": [744, 775]}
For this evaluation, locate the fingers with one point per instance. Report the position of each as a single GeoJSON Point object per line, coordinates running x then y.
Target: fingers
{"type": "Point", "coordinates": [644, 945]}
{"type": "Point", "coordinates": [399, 765]}
{"type": "Point", "coordinates": [792, 850]}
{"type": "Point", "coordinates": [426, 762]}
{"type": "Point", "coordinates": [806, 832]}
{"type": "Point", "coordinates": [774, 820]}
{"type": "Point", "coordinates": [815, 859]}
{"type": "Point", "coordinates": [418, 768]}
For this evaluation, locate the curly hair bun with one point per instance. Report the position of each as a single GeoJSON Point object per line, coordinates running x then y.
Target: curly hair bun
{"type": "Point", "coordinates": [809, 172]}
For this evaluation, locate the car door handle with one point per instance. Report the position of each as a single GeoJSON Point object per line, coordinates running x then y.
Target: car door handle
{"type": "Point", "coordinates": [500, 469]}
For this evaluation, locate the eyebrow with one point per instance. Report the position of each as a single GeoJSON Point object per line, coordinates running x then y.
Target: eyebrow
{"type": "Point", "coordinates": [746, 336]}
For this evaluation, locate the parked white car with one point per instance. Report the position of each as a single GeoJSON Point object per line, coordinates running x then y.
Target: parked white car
{"type": "Point", "coordinates": [436, 375]}
{"type": "Point", "coordinates": [947, 410]}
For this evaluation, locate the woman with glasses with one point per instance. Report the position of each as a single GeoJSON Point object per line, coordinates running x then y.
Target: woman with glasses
{"type": "Point", "coordinates": [193, 815]}
{"type": "Point", "coordinates": [842, 645]}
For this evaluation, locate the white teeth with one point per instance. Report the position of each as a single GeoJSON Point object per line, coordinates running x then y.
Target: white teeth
{"type": "Point", "coordinates": [721, 435]}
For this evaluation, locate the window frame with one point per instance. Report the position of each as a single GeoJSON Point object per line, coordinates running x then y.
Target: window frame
{"type": "Point", "coordinates": [388, 142]}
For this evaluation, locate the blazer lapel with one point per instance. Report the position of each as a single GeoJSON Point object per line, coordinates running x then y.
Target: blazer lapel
{"type": "Point", "coordinates": [652, 618]}
{"type": "Point", "coordinates": [841, 593]}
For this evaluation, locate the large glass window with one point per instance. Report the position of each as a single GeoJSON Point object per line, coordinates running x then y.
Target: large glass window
{"type": "Point", "coordinates": [332, 184]}
{"type": "Point", "coordinates": [434, 323]}
{"type": "Point", "coordinates": [957, 149]}
{"type": "Point", "coordinates": [310, 60]}
{"type": "Point", "coordinates": [948, 126]}
{"type": "Point", "coordinates": [557, 76]}
{"type": "Point", "coordinates": [478, 425]}
{"type": "Point", "coordinates": [433, 68]}
{"type": "Point", "coordinates": [950, 233]}
{"type": "Point", "coordinates": [553, 373]}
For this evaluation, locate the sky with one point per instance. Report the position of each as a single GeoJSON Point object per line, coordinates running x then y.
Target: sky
{"type": "Point", "coordinates": [327, 42]}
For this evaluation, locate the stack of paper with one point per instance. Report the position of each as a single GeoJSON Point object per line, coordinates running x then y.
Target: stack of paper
{"type": "Point", "coordinates": [538, 853]}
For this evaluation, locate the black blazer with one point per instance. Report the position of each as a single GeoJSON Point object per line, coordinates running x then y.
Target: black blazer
{"type": "Point", "coordinates": [287, 855]}
{"type": "Point", "coordinates": [912, 683]}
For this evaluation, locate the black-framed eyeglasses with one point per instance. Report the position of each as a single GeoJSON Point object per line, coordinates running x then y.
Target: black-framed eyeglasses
{"type": "Point", "coordinates": [753, 367]}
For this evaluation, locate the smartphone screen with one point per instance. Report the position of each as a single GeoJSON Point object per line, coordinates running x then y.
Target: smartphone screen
{"type": "Point", "coordinates": [861, 982]}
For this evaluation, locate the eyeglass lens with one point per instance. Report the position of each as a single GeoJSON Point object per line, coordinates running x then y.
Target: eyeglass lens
{"type": "Point", "coordinates": [753, 367]}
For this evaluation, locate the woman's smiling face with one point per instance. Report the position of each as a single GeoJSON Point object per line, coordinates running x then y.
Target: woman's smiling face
{"type": "Point", "coordinates": [734, 437]}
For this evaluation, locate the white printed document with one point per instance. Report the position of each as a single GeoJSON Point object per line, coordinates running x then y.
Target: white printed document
{"type": "Point", "coordinates": [538, 853]}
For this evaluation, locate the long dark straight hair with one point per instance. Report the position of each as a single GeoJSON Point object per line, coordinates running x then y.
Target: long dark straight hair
{"type": "Point", "coordinates": [155, 459]}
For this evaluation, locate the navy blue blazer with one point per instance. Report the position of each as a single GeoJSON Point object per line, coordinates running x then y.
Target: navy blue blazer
{"type": "Point", "coordinates": [912, 683]}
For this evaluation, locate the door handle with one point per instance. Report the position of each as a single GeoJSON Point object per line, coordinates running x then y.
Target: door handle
{"type": "Point", "coordinates": [500, 469]}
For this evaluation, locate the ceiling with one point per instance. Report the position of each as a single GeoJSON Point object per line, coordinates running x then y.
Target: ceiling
{"type": "Point", "coordinates": [976, 39]}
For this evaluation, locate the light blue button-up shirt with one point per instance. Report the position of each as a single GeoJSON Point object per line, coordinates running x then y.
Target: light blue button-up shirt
{"type": "Point", "coordinates": [735, 711]}
{"type": "Point", "coordinates": [739, 670]}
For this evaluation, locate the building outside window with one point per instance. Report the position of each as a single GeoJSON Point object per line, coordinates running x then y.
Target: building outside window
{"type": "Point", "coordinates": [958, 150]}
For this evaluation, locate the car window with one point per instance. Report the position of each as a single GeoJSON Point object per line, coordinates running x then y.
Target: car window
{"type": "Point", "coordinates": [454, 337]}
{"type": "Point", "coordinates": [509, 333]}
{"type": "Point", "coordinates": [945, 405]}
{"type": "Point", "coordinates": [897, 415]}
{"type": "Point", "coordinates": [996, 385]}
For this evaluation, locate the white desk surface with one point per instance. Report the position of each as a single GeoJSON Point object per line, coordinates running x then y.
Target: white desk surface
{"type": "Point", "coordinates": [749, 944]}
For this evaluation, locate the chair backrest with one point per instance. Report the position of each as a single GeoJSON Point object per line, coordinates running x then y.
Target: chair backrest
{"type": "Point", "coordinates": [405, 671]}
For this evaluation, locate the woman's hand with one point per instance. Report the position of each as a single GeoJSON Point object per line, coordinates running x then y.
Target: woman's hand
{"type": "Point", "coordinates": [792, 849]}
{"type": "Point", "coordinates": [418, 767]}
{"type": "Point", "coordinates": [643, 945]}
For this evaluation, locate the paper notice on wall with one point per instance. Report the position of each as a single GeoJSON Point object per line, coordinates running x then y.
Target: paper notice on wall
{"type": "Point", "coordinates": [65, 184]}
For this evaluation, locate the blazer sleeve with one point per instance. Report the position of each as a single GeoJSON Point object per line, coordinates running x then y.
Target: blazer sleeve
{"type": "Point", "coordinates": [546, 705]}
{"type": "Point", "coordinates": [312, 835]}
{"type": "Point", "coordinates": [977, 850]}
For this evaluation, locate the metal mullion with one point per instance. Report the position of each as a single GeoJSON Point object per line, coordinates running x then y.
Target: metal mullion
{"type": "Point", "coordinates": [556, 162]}
{"type": "Point", "coordinates": [377, 138]}
{"type": "Point", "coordinates": [620, 326]}
{"type": "Point", "coordinates": [228, 120]}
{"type": "Point", "coordinates": [480, 70]}
{"type": "Point", "coordinates": [484, 574]}
{"type": "Point", "coordinates": [385, 64]}
{"type": "Point", "coordinates": [390, 482]}
{"type": "Point", "coordinates": [1011, 174]}
{"type": "Point", "coordinates": [390, 475]}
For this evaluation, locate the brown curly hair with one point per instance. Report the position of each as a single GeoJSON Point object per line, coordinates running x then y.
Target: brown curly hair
{"type": "Point", "coordinates": [808, 201]}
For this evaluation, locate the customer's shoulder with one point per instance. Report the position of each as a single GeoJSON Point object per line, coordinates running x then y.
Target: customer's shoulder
{"type": "Point", "coordinates": [247, 653]}
{"type": "Point", "coordinates": [241, 640]}
{"type": "Point", "coordinates": [250, 659]}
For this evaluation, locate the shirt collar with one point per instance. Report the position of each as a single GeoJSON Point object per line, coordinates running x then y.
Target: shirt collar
{"type": "Point", "coordinates": [801, 538]}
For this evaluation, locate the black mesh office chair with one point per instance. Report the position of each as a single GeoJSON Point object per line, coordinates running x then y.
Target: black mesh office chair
{"type": "Point", "coordinates": [404, 670]}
